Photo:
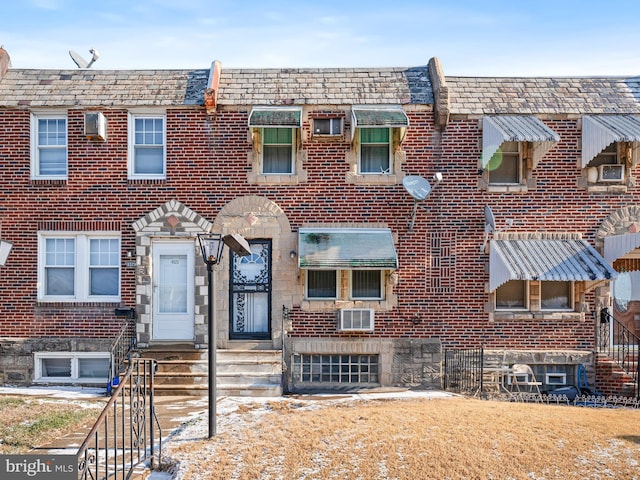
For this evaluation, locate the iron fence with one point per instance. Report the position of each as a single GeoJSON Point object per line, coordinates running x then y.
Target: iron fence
{"type": "Point", "coordinates": [127, 432]}
{"type": "Point", "coordinates": [120, 351]}
{"type": "Point", "coordinates": [620, 344]}
{"type": "Point", "coordinates": [463, 369]}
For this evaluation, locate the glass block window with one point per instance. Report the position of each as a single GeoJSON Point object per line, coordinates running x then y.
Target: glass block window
{"type": "Point", "coordinates": [336, 369]}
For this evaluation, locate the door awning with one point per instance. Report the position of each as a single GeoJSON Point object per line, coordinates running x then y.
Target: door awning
{"type": "Point", "coordinates": [600, 131]}
{"type": "Point", "coordinates": [617, 246]}
{"type": "Point", "coordinates": [516, 128]}
{"type": "Point", "coordinates": [290, 117]}
{"type": "Point", "coordinates": [545, 259]}
{"type": "Point", "coordinates": [344, 248]}
{"type": "Point", "coordinates": [366, 116]}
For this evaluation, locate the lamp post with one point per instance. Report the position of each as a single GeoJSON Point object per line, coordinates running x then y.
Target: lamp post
{"type": "Point", "coordinates": [211, 245]}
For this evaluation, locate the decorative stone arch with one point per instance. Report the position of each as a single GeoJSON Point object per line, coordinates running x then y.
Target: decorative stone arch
{"type": "Point", "coordinates": [171, 220]}
{"type": "Point", "coordinates": [256, 217]}
{"type": "Point", "coordinates": [621, 221]}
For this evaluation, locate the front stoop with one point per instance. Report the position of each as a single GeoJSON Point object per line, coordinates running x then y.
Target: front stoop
{"type": "Point", "coordinates": [183, 370]}
{"type": "Point", "coordinates": [611, 379]}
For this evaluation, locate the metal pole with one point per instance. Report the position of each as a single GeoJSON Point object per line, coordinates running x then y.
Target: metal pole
{"type": "Point", "coordinates": [212, 357]}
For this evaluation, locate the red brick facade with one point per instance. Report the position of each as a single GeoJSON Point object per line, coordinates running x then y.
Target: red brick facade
{"type": "Point", "coordinates": [442, 285]}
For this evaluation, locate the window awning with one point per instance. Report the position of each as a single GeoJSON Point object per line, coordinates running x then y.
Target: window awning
{"type": "Point", "coordinates": [600, 131]}
{"type": "Point", "coordinates": [545, 259]}
{"type": "Point", "coordinates": [344, 248]}
{"type": "Point", "coordinates": [516, 128]}
{"type": "Point", "coordinates": [616, 246]}
{"type": "Point", "coordinates": [366, 116]}
{"type": "Point", "coordinates": [290, 117]}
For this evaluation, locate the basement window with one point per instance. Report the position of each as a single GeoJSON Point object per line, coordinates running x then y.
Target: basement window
{"type": "Point", "coordinates": [336, 369]}
{"type": "Point", "coordinates": [71, 367]}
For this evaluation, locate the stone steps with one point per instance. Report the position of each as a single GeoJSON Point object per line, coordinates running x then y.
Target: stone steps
{"type": "Point", "coordinates": [240, 372]}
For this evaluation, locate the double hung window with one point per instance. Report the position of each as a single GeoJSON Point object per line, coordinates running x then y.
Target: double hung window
{"type": "Point", "coordinates": [147, 146]}
{"type": "Point", "coordinates": [361, 284]}
{"type": "Point", "coordinates": [278, 150]}
{"type": "Point", "coordinates": [49, 146]}
{"type": "Point", "coordinates": [79, 267]}
{"type": "Point", "coordinates": [375, 150]}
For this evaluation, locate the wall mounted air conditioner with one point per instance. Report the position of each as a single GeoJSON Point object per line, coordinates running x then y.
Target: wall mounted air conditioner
{"type": "Point", "coordinates": [613, 172]}
{"type": "Point", "coordinates": [355, 319]}
{"type": "Point", "coordinates": [95, 126]}
{"type": "Point", "coordinates": [327, 126]}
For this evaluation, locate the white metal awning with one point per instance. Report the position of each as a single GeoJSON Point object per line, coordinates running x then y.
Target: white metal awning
{"type": "Point", "coordinates": [345, 248]}
{"type": "Point", "coordinates": [545, 259]}
{"type": "Point", "coordinates": [515, 128]}
{"type": "Point", "coordinates": [616, 246]}
{"type": "Point", "coordinates": [600, 131]}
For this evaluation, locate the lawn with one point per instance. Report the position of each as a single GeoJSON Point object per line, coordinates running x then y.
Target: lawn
{"type": "Point", "coordinates": [27, 422]}
{"type": "Point", "coordinates": [444, 438]}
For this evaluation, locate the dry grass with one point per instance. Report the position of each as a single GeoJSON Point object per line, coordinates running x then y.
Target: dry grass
{"type": "Point", "coordinates": [451, 438]}
{"type": "Point", "coordinates": [29, 422]}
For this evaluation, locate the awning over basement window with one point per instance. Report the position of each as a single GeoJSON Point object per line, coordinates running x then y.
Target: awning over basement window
{"type": "Point", "coordinates": [617, 246]}
{"type": "Point", "coordinates": [290, 117]}
{"type": "Point", "coordinates": [344, 248]}
{"type": "Point", "coordinates": [516, 128]}
{"type": "Point", "coordinates": [600, 131]}
{"type": "Point", "coordinates": [545, 259]}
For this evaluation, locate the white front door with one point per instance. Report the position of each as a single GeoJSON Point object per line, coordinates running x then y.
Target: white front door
{"type": "Point", "coordinates": [173, 291]}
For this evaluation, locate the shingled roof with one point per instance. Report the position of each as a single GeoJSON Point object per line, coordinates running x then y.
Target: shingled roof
{"type": "Point", "coordinates": [325, 86]}
{"type": "Point", "coordinates": [322, 86]}
{"type": "Point", "coordinates": [98, 88]}
{"type": "Point", "coordinates": [578, 95]}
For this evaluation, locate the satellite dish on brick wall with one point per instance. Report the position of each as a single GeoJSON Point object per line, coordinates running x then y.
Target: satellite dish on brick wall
{"type": "Point", "coordinates": [81, 62]}
{"type": "Point", "coordinates": [419, 188]}
{"type": "Point", "coordinates": [489, 220]}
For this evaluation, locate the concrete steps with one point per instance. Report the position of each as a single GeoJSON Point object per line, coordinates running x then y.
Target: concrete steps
{"type": "Point", "coordinates": [183, 370]}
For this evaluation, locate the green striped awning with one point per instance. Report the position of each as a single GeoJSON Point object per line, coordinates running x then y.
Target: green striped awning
{"type": "Point", "coordinates": [344, 248]}
{"type": "Point", "coordinates": [290, 117]}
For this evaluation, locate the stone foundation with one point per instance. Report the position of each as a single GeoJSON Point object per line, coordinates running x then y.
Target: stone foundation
{"type": "Point", "coordinates": [16, 355]}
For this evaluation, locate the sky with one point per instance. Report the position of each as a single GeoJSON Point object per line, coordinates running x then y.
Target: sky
{"type": "Point", "coordinates": [469, 37]}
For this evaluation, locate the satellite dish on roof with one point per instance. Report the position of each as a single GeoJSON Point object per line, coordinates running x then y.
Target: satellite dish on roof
{"type": "Point", "coordinates": [81, 62]}
{"type": "Point", "coordinates": [419, 188]}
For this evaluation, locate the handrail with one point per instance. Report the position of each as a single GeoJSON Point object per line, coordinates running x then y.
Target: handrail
{"type": "Point", "coordinates": [620, 344]}
{"type": "Point", "coordinates": [120, 351]}
{"type": "Point", "coordinates": [125, 433]}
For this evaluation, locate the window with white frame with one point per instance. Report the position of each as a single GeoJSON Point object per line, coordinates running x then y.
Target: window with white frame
{"type": "Point", "coordinates": [278, 150]}
{"type": "Point", "coordinates": [79, 267]}
{"type": "Point", "coordinates": [49, 146]}
{"type": "Point", "coordinates": [375, 150]}
{"type": "Point", "coordinates": [556, 295]}
{"type": "Point", "coordinates": [505, 166]}
{"type": "Point", "coordinates": [322, 284]}
{"type": "Point", "coordinates": [512, 295]}
{"type": "Point", "coordinates": [147, 141]}
{"type": "Point", "coordinates": [77, 367]}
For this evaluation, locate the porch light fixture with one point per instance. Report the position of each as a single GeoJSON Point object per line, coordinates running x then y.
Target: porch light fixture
{"type": "Point", "coordinates": [5, 249]}
{"type": "Point", "coordinates": [211, 245]}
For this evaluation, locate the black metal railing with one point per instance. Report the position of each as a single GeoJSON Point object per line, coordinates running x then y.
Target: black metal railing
{"type": "Point", "coordinates": [120, 351]}
{"type": "Point", "coordinates": [462, 369]}
{"type": "Point", "coordinates": [620, 344]}
{"type": "Point", "coordinates": [127, 432]}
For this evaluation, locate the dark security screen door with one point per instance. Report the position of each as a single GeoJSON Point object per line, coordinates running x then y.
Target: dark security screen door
{"type": "Point", "coordinates": [251, 292]}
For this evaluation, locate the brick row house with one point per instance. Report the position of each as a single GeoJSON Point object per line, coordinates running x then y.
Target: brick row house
{"type": "Point", "coordinates": [391, 213]}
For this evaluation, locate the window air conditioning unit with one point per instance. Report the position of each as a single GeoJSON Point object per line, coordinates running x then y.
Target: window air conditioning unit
{"type": "Point", "coordinates": [355, 319]}
{"type": "Point", "coordinates": [95, 126]}
{"type": "Point", "coordinates": [611, 172]}
{"type": "Point", "coordinates": [327, 126]}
